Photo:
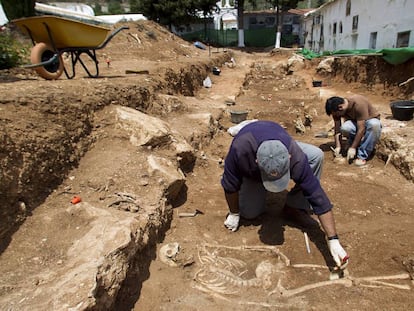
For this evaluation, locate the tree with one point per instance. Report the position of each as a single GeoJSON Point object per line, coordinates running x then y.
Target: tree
{"type": "Point", "coordinates": [240, 22]}
{"type": "Point", "coordinates": [18, 9]}
{"type": "Point", "coordinates": [134, 6]}
{"type": "Point", "coordinates": [281, 6]}
{"type": "Point", "coordinates": [240, 4]}
{"type": "Point", "coordinates": [97, 8]}
{"type": "Point", "coordinates": [114, 7]}
{"type": "Point", "coordinates": [166, 12]}
{"type": "Point", "coordinates": [306, 4]}
{"type": "Point", "coordinates": [176, 13]}
{"type": "Point", "coordinates": [207, 7]}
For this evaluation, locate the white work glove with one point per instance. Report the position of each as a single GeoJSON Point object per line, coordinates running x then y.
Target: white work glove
{"type": "Point", "coordinates": [351, 154]}
{"type": "Point", "coordinates": [338, 253]}
{"type": "Point", "coordinates": [232, 221]}
{"type": "Point", "coordinates": [337, 152]}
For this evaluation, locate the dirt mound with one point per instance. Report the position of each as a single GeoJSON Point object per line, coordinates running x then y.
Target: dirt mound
{"type": "Point", "coordinates": [46, 125]}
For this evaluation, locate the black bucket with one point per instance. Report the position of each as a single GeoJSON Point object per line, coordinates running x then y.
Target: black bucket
{"type": "Point", "coordinates": [402, 110]}
{"type": "Point", "coordinates": [216, 71]}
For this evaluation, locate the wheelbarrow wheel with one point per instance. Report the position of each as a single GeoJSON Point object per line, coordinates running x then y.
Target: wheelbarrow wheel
{"type": "Point", "coordinates": [43, 52]}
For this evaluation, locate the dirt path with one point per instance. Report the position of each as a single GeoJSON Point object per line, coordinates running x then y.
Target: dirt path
{"type": "Point", "coordinates": [373, 209]}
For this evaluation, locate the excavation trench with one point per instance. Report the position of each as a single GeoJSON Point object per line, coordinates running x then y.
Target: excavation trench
{"type": "Point", "coordinates": [114, 151]}
{"type": "Point", "coordinates": [268, 91]}
{"type": "Point", "coordinates": [136, 155]}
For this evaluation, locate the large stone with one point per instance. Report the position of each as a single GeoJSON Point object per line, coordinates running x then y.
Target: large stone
{"type": "Point", "coordinates": [145, 130]}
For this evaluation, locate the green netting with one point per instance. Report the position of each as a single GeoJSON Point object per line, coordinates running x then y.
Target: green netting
{"type": "Point", "coordinates": [397, 56]}
{"type": "Point", "coordinates": [394, 56]}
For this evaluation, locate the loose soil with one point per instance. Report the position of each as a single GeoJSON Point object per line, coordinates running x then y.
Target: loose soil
{"type": "Point", "coordinates": [58, 141]}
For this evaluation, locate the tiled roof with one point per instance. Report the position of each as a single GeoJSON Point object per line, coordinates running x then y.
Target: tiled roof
{"type": "Point", "coordinates": [299, 11]}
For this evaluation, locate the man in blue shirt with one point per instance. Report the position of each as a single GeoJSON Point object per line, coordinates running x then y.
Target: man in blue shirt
{"type": "Point", "coordinates": [264, 157]}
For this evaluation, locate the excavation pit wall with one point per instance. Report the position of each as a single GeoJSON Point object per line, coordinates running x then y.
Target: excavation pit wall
{"type": "Point", "coordinates": [37, 159]}
{"type": "Point", "coordinates": [45, 168]}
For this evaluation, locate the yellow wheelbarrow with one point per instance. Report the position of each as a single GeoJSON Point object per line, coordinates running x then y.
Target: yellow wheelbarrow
{"type": "Point", "coordinates": [52, 36]}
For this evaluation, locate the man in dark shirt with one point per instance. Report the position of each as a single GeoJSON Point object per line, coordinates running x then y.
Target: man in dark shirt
{"type": "Point", "coordinates": [263, 157]}
{"type": "Point", "coordinates": [362, 126]}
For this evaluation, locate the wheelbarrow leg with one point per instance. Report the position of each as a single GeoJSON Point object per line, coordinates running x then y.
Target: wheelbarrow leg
{"type": "Point", "coordinates": [71, 75]}
{"type": "Point", "coordinates": [75, 56]}
{"type": "Point", "coordinates": [92, 55]}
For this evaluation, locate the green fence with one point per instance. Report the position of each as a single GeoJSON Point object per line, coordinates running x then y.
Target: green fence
{"type": "Point", "coordinates": [252, 37]}
{"type": "Point", "coordinates": [214, 37]}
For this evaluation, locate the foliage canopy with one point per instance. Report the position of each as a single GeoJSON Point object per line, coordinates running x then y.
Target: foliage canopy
{"type": "Point", "coordinates": [178, 12]}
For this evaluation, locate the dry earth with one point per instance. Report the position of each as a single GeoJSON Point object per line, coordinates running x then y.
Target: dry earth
{"type": "Point", "coordinates": [142, 149]}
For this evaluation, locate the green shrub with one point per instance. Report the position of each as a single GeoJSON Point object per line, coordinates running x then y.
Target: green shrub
{"type": "Point", "coordinates": [11, 51]}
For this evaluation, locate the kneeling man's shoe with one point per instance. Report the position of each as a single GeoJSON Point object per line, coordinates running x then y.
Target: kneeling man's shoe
{"type": "Point", "coordinates": [360, 162]}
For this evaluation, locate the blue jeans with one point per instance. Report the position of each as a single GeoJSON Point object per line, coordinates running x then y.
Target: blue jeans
{"type": "Point", "coordinates": [252, 194]}
{"type": "Point", "coordinates": [370, 139]}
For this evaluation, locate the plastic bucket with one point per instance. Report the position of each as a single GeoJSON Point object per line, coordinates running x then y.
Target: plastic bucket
{"type": "Point", "coordinates": [238, 116]}
{"type": "Point", "coordinates": [402, 110]}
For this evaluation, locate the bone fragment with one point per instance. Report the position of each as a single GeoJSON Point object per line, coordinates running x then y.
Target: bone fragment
{"type": "Point", "coordinates": [349, 281]}
{"type": "Point", "coordinates": [262, 248]}
{"type": "Point", "coordinates": [304, 265]}
{"type": "Point", "coordinates": [292, 292]}
{"type": "Point", "coordinates": [386, 284]}
{"type": "Point", "coordinates": [401, 276]}
{"type": "Point", "coordinates": [307, 242]}
{"type": "Point", "coordinates": [388, 160]}
{"type": "Point", "coordinates": [405, 82]}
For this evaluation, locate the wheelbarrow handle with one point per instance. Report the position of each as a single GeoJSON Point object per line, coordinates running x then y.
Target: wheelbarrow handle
{"type": "Point", "coordinates": [111, 36]}
{"type": "Point", "coordinates": [53, 59]}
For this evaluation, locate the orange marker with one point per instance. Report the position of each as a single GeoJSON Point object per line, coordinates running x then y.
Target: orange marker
{"type": "Point", "coordinates": [75, 200]}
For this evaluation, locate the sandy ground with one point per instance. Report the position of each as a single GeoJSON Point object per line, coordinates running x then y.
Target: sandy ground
{"type": "Point", "coordinates": [372, 222]}
{"type": "Point", "coordinates": [51, 130]}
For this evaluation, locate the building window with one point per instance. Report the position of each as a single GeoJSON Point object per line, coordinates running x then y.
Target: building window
{"type": "Point", "coordinates": [224, 3]}
{"type": "Point", "coordinates": [348, 8]}
{"type": "Point", "coordinates": [340, 27]}
{"type": "Point", "coordinates": [355, 23]}
{"type": "Point", "coordinates": [354, 41]}
{"type": "Point", "coordinates": [252, 20]}
{"type": "Point", "coordinates": [296, 19]}
{"type": "Point", "coordinates": [334, 29]}
{"type": "Point", "coordinates": [270, 21]}
{"type": "Point", "coordinates": [403, 39]}
{"type": "Point", "coordinates": [373, 41]}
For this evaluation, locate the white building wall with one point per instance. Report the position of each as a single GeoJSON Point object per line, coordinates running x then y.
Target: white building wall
{"type": "Point", "coordinates": [3, 17]}
{"type": "Point", "coordinates": [76, 7]}
{"type": "Point", "coordinates": [227, 18]}
{"type": "Point", "coordinates": [387, 18]}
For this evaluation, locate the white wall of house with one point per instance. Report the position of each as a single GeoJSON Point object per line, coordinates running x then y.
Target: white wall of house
{"type": "Point", "coordinates": [360, 24]}
{"type": "Point", "coordinates": [227, 17]}
{"type": "Point", "coordinates": [76, 7]}
{"type": "Point", "coordinates": [3, 17]}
